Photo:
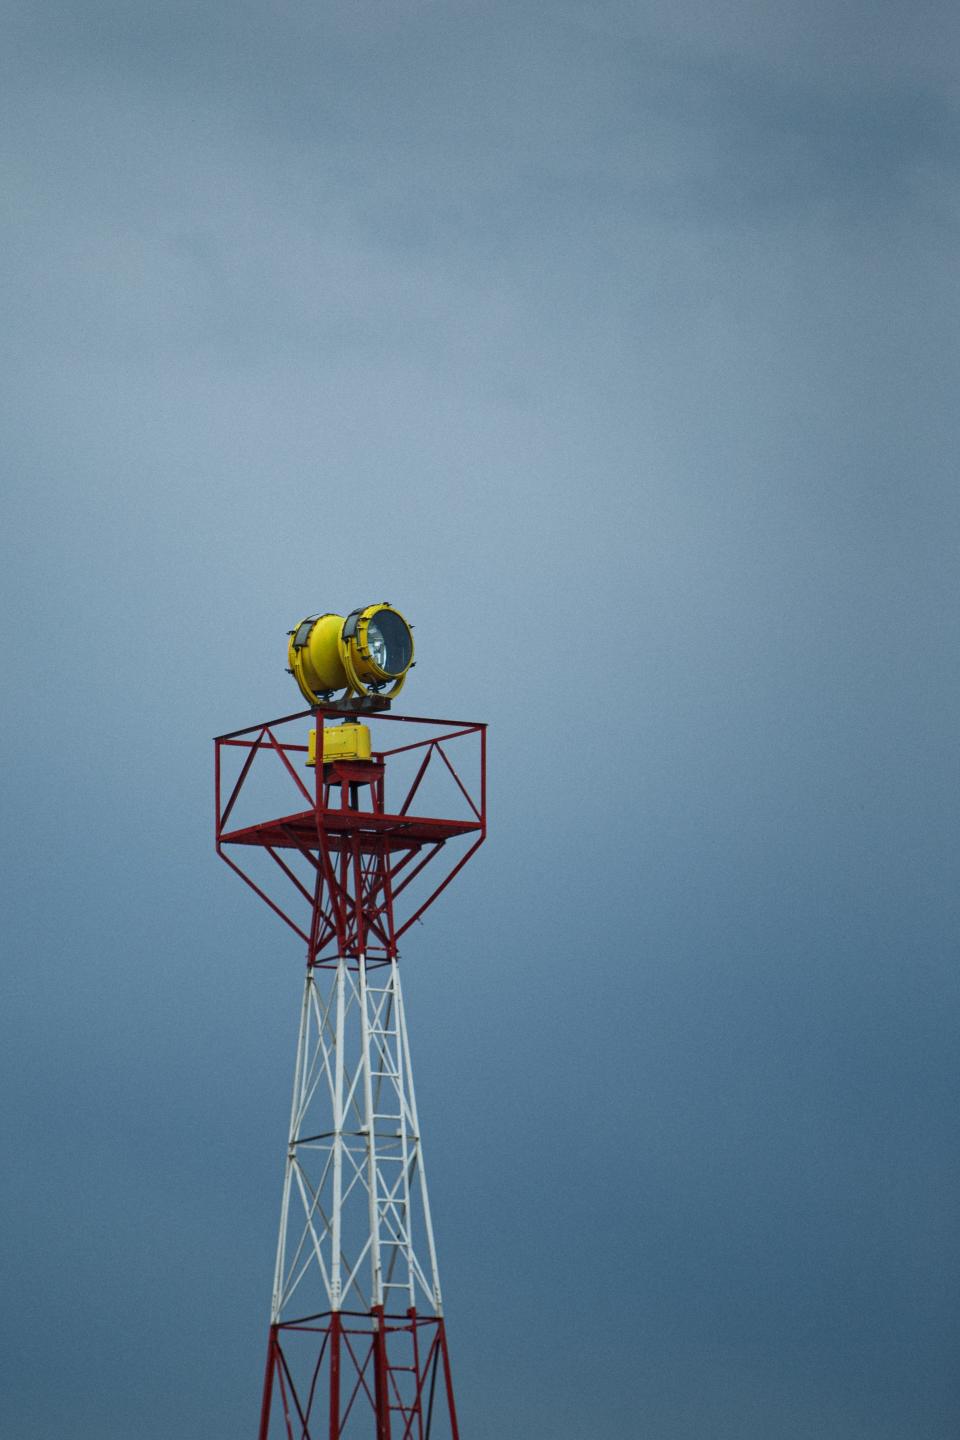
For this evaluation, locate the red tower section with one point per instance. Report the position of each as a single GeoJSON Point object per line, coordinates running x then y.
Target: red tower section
{"type": "Point", "coordinates": [349, 856]}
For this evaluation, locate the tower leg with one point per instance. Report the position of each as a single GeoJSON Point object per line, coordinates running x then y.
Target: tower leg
{"type": "Point", "coordinates": [448, 1382]}
{"type": "Point", "coordinates": [268, 1385]}
{"type": "Point", "coordinates": [335, 1375]}
{"type": "Point", "coordinates": [381, 1375]}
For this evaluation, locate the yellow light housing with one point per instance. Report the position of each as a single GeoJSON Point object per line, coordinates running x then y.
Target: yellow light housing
{"type": "Point", "coordinates": [365, 654]}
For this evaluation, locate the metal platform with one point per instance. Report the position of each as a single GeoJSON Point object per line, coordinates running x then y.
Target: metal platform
{"type": "Point", "coordinates": [346, 863]}
{"type": "Point", "coordinates": [376, 833]}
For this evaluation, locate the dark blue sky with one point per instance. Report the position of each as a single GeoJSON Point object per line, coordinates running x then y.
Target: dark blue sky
{"type": "Point", "coordinates": [617, 345]}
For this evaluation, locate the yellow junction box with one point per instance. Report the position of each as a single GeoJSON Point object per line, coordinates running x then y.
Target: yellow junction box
{"type": "Point", "coordinates": [349, 741]}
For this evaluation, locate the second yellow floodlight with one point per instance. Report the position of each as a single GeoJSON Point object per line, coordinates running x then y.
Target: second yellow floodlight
{"type": "Point", "coordinates": [365, 654]}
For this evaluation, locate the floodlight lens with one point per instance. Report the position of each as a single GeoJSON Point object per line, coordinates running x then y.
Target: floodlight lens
{"type": "Point", "coordinates": [390, 643]}
{"type": "Point", "coordinates": [378, 646]}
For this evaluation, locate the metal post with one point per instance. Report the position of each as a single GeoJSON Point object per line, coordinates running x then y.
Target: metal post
{"type": "Point", "coordinates": [448, 1382]}
{"type": "Point", "coordinates": [268, 1384]}
{"type": "Point", "coordinates": [296, 1105]}
{"type": "Point", "coordinates": [370, 1129]}
{"type": "Point", "coordinates": [335, 1324]}
{"type": "Point", "coordinates": [381, 1375]}
{"type": "Point", "coordinates": [336, 1278]}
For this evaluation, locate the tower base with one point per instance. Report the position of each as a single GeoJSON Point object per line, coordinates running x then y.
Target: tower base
{"type": "Point", "coordinates": [348, 1375]}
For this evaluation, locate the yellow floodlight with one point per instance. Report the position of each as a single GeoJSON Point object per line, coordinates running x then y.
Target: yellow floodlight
{"type": "Point", "coordinates": [365, 654]}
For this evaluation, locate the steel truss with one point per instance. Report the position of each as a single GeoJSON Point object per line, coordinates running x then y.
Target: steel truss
{"type": "Point", "coordinates": [357, 1344]}
{"type": "Point", "coordinates": [355, 1220]}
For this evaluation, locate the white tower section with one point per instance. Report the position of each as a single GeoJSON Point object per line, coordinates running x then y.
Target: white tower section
{"type": "Point", "coordinates": [355, 1228]}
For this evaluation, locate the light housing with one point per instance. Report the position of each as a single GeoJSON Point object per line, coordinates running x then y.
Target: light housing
{"type": "Point", "coordinates": [366, 655]}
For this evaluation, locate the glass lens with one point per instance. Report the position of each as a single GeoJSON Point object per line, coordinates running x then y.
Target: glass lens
{"type": "Point", "coordinates": [389, 642]}
{"type": "Point", "coordinates": [378, 646]}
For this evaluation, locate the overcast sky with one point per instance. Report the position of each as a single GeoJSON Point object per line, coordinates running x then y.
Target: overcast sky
{"type": "Point", "coordinates": [616, 344]}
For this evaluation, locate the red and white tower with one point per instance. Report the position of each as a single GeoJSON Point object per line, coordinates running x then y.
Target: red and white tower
{"type": "Point", "coordinates": [349, 854]}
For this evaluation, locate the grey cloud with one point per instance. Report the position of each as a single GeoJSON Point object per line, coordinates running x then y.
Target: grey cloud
{"type": "Point", "coordinates": [617, 344]}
